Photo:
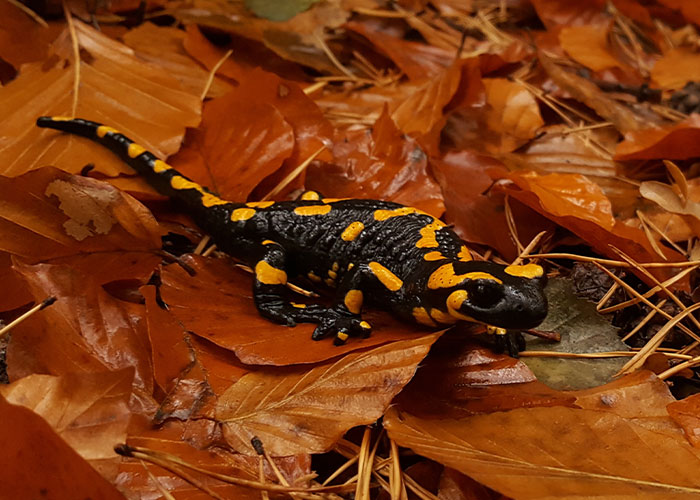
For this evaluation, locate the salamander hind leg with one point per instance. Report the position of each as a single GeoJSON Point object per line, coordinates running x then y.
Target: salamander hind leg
{"type": "Point", "coordinates": [270, 288]}
{"type": "Point", "coordinates": [343, 320]}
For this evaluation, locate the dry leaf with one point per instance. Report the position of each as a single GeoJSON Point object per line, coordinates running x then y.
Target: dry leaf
{"type": "Point", "coordinates": [295, 410]}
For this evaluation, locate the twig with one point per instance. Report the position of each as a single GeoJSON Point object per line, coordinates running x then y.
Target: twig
{"type": "Point", "coordinates": [44, 304]}
{"type": "Point", "coordinates": [212, 74]}
{"type": "Point", "coordinates": [76, 58]}
{"type": "Point", "coordinates": [37, 18]}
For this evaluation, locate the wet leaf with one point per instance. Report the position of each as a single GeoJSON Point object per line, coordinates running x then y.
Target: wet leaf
{"type": "Point", "coordinates": [40, 463]}
{"type": "Point", "coordinates": [300, 409]}
{"type": "Point", "coordinates": [686, 413]}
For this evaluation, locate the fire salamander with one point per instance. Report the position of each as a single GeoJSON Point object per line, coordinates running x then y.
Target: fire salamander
{"type": "Point", "coordinates": [398, 257]}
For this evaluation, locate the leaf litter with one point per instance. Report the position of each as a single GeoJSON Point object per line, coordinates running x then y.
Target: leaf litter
{"type": "Point", "coordinates": [541, 131]}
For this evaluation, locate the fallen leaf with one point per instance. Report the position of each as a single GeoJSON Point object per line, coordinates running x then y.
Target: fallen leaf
{"type": "Point", "coordinates": [295, 410]}
{"type": "Point", "coordinates": [588, 45]}
{"type": "Point", "coordinates": [514, 114]}
{"type": "Point", "coordinates": [540, 453]}
{"type": "Point", "coordinates": [90, 411]}
{"type": "Point", "coordinates": [278, 10]}
{"type": "Point", "coordinates": [384, 165]}
{"type": "Point", "coordinates": [206, 303]}
{"type": "Point", "coordinates": [22, 39]}
{"type": "Point", "coordinates": [49, 215]}
{"type": "Point", "coordinates": [685, 413]}
{"type": "Point", "coordinates": [155, 114]}
{"type": "Point", "coordinates": [673, 142]}
{"type": "Point", "coordinates": [85, 330]}
{"type": "Point", "coordinates": [41, 464]}
{"type": "Point", "coordinates": [163, 46]}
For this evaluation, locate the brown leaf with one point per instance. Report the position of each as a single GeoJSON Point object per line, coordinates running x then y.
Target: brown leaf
{"type": "Point", "coordinates": [383, 165]}
{"type": "Point", "coordinates": [556, 452]}
{"type": "Point", "coordinates": [676, 67]}
{"type": "Point", "coordinates": [51, 215]}
{"type": "Point", "coordinates": [462, 378]}
{"type": "Point", "coordinates": [22, 39]}
{"type": "Point", "coordinates": [514, 114]}
{"type": "Point", "coordinates": [90, 411]}
{"type": "Point", "coordinates": [477, 211]}
{"type": "Point", "coordinates": [674, 142]}
{"type": "Point", "coordinates": [295, 410]}
{"type": "Point", "coordinates": [164, 47]}
{"type": "Point", "coordinates": [416, 60]}
{"type": "Point", "coordinates": [40, 464]}
{"type": "Point", "coordinates": [686, 413]}
{"type": "Point", "coordinates": [85, 330]}
{"type": "Point", "coordinates": [588, 45]}
{"type": "Point", "coordinates": [206, 302]}
{"type": "Point", "coordinates": [587, 92]}
{"type": "Point", "coordinates": [155, 114]}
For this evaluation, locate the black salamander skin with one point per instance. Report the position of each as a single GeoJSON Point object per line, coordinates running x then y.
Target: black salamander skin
{"type": "Point", "coordinates": [399, 258]}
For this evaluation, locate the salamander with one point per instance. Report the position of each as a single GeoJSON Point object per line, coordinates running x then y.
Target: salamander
{"type": "Point", "coordinates": [398, 257]}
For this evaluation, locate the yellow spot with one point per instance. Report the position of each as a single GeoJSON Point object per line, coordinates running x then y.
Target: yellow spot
{"type": "Point", "coordinates": [269, 275]}
{"type": "Point", "coordinates": [433, 256]}
{"type": "Point", "coordinates": [330, 282]}
{"type": "Point", "coordinates": [313, 277]}
{"type": "Point", "coordinates": [342, 336]}
{"type": "Point", "coordinates": [259, 204]}
{"type": "Point", "coordinates": [427, 233]}
{"type": "Point", "coordinates": [103, 130]}
{"type": "Point", "coordinates": [135, 150]}
{"type": "Point", "coordinates": [442, 317]}
{"type": "Point", "coordinates": [350, 266]}
{"type": "Point", "coordinates": [454, 302]}
{"type": "Point", "coordinates": [526, 271]}
{"type": "Point", "coordinates": [333, 200]}
{"type": "Point", "coordinates": [335, 266]}
{"type": "Point", "coordinates": [269, 242]}
{"type": "Point", "coordinates": [365, 325]}
{"type": "Point", "coordinates": [352, 231]}
{"type": "Point", "coordinates": [445, 277]}
{"type": "Point", "coordinates": [159, 166]}
{"type": "Point", "coordinates": [397, 212]}
{"type": "Point", "coordinates": [388, 279]}
{"type": "Point", "coordinates": [60, 118]}
{"type": "Point", "coordinates": [242, 214]}
{"type": "Point", "coordinates": [310, 196]}
{"type": "Point", "coordinates": [313, 210]}
{"type": "Point", "coordinates": [495, 330]}
{"type": "Point", "coordinates": [298, 306]}
{"type": "Point", "coordinates": [464, 254]}
{"type": "Point", "coordinates": [208, 200]}
{"type": "Point", "coordinates": [332, 274]}
{"type": "Point", "coordinates": [353, 301]}
{"type": "Point", "coordinates": [422, 316]}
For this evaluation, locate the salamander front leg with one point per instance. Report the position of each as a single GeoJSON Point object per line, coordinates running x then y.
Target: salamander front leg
{"type": "Point", "coordinates": [269, 290]}
{"type": "Point", "coordinates": [343, 319]}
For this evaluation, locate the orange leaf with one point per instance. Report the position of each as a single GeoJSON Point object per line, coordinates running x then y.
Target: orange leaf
{"type": "Point", "coordinates": [206, 302]}
{"type": "Point", "coordinates": [90, 411]}
{"type": "Point", "coordinates": [675, 142]}
{"type": "Point", "coordinates": [514, 113]}
{"type": "Point", "coordinates": [297, 410]}
{"type": "Point", "coordinates": [22, 39]}
{"type": "Point", "coordinates": [588, 45]}
{"type": "Point", "coordinates": [116, 88]}
{"type": "Point", "coordinates": [533, 453]}
{"type": "Point", "coordinates": [568, 195]}
{"type": "Point", "coordinates": [40, 464]}
{"type": "Point", "coordinates": [385, 165]}
{"type": "Point", "coordinates": [85, 330]}
{"type": "Point", "coordinates": [686, 413]}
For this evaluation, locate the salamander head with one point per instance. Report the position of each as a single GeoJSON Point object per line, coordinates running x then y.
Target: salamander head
{"type": "Point", "coordinates": [505, 297]}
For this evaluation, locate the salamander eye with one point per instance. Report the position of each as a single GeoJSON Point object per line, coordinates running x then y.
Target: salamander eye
{"type": "Point", "coordinates": [484, 293]}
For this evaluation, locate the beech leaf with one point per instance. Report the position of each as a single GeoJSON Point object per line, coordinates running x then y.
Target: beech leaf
{"type": "Point", "coordinates": [296, 410]}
